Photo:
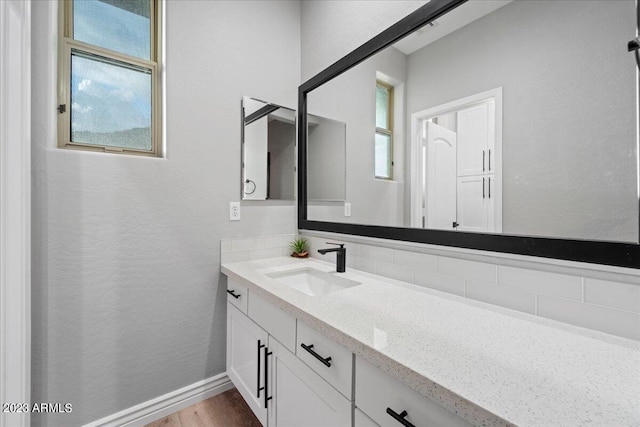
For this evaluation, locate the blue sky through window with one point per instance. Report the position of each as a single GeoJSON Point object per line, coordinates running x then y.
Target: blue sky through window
{"type": "Point", "coordinates": [111, 27]}
{"type": "Point", "coordinates": [108, 99]}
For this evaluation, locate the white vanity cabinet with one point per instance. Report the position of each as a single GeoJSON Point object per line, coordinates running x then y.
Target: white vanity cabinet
{"type": "Point", "coordinates": [292, 376]}
{"type": "Point", "coordinates": [246, 342]}
{"type": "Point", "coordinates": [330, 360]}
{"type": "Point", "coordinates": [279, 387]}
{"type": "Point", "coordinates": [387, 402]}
{"type": "Point", "coordinates": [301, 398]}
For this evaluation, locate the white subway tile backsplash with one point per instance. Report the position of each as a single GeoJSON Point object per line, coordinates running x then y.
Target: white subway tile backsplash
{"type": "Point", "coordinates": [467, 269]}
{"type": "Point", "coordinates": [316, 243]}
{"type": "Point", "coordinates": [394, 271]}
{"type": "Point", "coordinates": [265, 253]}
{"type": "Point", "coordinates": [363, 264]}
{"type": "Point", "coordinates": [247, 244]}
{"type": "Point", "coordinates": [415, 260]}
{"type": "Point", "coordinates": [617, 322]}
{"type": "Point", "coordinates": [245, 249]}
{"type": "Point", "coordinates": [440, 282]}
{"type": "Point", "coordinates": [238, 256]}
{"type": "Point", "coordinates": [278, 241]}
{"type": "Point", "coordinates": [225, 246]}
{"type": "Point", "coordinates": [352, 249]}
{"type": "Point", "coordinates": [541, 282]}
{"type": "Point", "coordinates": [606, 306]}
{"type": "Point", "coordinates": [500, 295]}
{"type": "Point", "coordinates": [376, 253]}
{"type": "Point", "coordinates": [612, 294]}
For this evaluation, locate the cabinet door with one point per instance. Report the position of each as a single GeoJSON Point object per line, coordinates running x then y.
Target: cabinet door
{"type": "Point", "coordinates": [472, 214]}
{"type": "Point", "coordinates": [245, 359]}
{"type": "Point", "coordinates": [299, 396]}
{"type": "Point", "coordinates": [474, 133]}
{"type": "Point", "coordinates": [361, 420]}
{"type": "Point", "coordinates": [490, 203]}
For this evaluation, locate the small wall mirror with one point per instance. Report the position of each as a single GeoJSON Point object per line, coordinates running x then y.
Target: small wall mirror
{"type": "Point", "coordinates": [268, 150]}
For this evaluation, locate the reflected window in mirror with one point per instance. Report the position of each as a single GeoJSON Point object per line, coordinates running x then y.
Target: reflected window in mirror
{"type": "Point", "coordinates": [384, 131]}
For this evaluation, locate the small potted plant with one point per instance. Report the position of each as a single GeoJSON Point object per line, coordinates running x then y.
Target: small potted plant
{"type": "Point", "coordinates": [300, 248]}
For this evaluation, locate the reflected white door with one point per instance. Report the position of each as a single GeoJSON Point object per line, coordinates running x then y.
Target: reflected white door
{"type": "Point", "coordinates": [255, 159]}
{"type": "Point", "coordinates": [472, 203]}
{"type": "Point", "coordinates": [476, 136]}
{"type": "Point", "coordinates": [439, 176]}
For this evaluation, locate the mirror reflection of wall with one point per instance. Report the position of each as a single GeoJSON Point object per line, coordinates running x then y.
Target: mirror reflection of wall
{"type": "Point", "coordinates": [268, 151]}
{"type": "Point", "coordinates": [326, 159]}
{"type": "Point", "coordinates": [351, 98]}
{"type": "Point", "coordinates": [567, 165]}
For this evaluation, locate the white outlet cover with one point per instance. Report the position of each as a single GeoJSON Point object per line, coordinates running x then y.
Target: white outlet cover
{"type": "Point", "coordinates": [347, 209]}
{"type": "Point", "coordinates": [234, 211]}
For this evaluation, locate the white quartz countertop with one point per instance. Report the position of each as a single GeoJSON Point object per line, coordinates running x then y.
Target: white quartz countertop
{"type": "Point", "coordinates": [491, 366]}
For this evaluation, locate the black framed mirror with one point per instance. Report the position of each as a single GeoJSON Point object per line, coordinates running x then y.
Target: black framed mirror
{"type": "Point", "coordinates": [609, 237]}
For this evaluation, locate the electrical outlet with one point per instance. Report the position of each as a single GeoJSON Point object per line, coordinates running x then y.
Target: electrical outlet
{"type": "Point", "coordinates": [234, 211]}
{"type": "Point", "coordinates": [347, 209]}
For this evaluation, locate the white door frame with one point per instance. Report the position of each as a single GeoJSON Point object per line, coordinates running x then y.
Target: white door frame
{"type": "Point", "coordinates": [417, 117]}
{"type": "Point", "coordinates": [15, 208]}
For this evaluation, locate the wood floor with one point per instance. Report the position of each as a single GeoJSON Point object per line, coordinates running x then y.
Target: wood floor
{"type": "Point", "coordinates": [226, 409]}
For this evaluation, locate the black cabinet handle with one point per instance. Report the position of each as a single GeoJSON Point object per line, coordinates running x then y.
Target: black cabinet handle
{"type": "Point", "coordinates": [309, 348]}
{"type": "Point", "coordinates": [267, 353]}
{"type": "Point", "coordinates": [400, 417]}
{"type": "Point", "coordinates": [489, 160]}
{"type": "Point", "coordinates": [260, 346]}
{"type": "Point", "coordinates": [482, 160]}
{"type": "Point", "coordinates": [483, 187]}
{"type": "Point", "coordinates": [233, 293]}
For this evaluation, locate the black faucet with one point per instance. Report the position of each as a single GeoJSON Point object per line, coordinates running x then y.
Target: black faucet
{"type": "Point", "coordinates": [340, 258]}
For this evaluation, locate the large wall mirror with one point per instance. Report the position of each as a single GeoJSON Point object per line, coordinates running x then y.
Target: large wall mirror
{"type": "Point", "coordinates": [508, 126]}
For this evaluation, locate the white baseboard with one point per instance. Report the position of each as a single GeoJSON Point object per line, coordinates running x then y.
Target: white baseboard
{"type": "Point", "coordinates": [169, 403]}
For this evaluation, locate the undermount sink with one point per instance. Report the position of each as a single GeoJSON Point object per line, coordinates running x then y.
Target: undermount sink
{"type": "Point", "coordinates": [311, 281]}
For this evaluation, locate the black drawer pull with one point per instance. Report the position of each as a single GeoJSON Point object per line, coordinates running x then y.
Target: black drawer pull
{"type": "Point", "coordinates": [400, 417]}
{"type": "Point", "coordinates": [267, 353]}
{"type": "Point", "coordinates": [309, 348]}
{"type": "Point", "coordinates": [260, 346]}
{"type": "Point", "coordinates": [233, 293]}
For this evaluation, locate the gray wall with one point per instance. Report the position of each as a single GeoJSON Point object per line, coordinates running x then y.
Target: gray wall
{"type": "Point", "coordinates": [332, 28]}
{"type": "Point", "coordinates": [569, 156]}
{"type": "Point", "coordinates": [326, 166]}
{"type": "Point", "coordinates": [128, 300]}
{"type": "Point", "coordinates": [350, 98]}
{"type": "Point", "coordinates": [282, 146]}
{"type": "Point", "coordinates": [329, 31]}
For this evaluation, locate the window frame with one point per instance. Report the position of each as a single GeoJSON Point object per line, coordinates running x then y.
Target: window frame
{"type": "Point", "coordinates": [66, 44]}
{"type": "Point", "coordinates": [388, 131]}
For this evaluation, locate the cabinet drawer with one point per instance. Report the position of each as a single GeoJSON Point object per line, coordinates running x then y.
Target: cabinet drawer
{"type": "Point", "coordinates": [237, 295]}
{"type": "Point", "coordinates": [300, 396]}
{"type": "Point", "coordinates": [376, 391]}
{"type": "Point", "coordinates": [339, 371]}
{"type": "Point", "coordinates": [280, 325]}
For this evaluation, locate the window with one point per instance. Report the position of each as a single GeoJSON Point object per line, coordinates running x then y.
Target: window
{"type": "Point", "coordinates": [383, 152]}
{"type": "Point", "coordinates": [109, 90]}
